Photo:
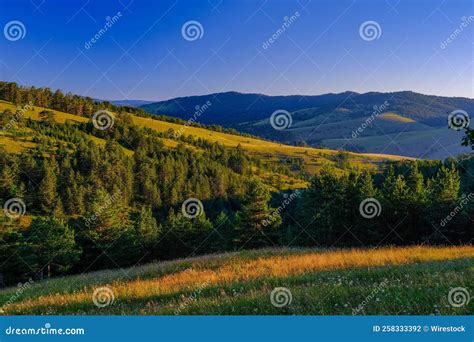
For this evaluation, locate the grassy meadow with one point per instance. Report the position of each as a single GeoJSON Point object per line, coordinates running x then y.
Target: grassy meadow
{"type": "Point", "coordinates": [410, 280]}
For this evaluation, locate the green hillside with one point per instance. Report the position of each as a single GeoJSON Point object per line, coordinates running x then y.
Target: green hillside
{"type": "Point", "coordinates": [275, 154]}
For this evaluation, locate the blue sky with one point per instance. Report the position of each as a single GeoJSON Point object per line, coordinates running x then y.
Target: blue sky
{"type": "Point", "coordinates": [143, 55]}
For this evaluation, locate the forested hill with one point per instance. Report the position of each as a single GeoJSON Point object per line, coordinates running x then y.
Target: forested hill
{"type": "Point", "coordinates": [396, 120]}
{"type": "Point", "coordinates": [234, 108]}
{"type": "Point", "coordinates": [98, 187]}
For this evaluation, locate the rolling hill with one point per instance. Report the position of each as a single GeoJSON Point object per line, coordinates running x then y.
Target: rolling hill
{"type": "Point", "coordinates": [330, 120]}
{"type": "Point", "coordinates": [312, 159]}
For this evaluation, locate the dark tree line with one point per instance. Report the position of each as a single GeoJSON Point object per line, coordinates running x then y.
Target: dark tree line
{"type": "Point", "coordinates": [412, 201]}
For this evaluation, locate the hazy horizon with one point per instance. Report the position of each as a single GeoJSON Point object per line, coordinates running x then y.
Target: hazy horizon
{"type": "Point", "coordinates": [257, 93]}
{"type": "Point", "coordinates": [245, 93]}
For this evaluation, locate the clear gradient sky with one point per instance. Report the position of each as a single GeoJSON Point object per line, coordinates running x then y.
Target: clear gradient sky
{"type": "Point", "coordinates": [144, 55]}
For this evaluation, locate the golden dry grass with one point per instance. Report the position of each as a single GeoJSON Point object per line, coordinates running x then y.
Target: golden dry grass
{"type": "Point", "coordinates": [15, 145]}
{"type": "Point", "coordinates": [235, 270]}
{"type": "Point", "coordinates": [259, 146]}
{"type": "Point", "coordinates": [395, 117]}
{"type": "Point", "coordinates": [60, 117]}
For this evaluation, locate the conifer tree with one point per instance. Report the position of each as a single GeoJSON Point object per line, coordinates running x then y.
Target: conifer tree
{"type": "Point", "coordinates": [51, 246]}
{"type": "Point", "coordinates": [257, 218]}
{"type": "Point", "coordinates": [147, 228]}
{"type": "Point", "coordinates": [47, 195]}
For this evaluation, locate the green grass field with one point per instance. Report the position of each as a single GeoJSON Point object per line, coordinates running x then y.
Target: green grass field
{"type": "Point", "coordinates": [411, 280]}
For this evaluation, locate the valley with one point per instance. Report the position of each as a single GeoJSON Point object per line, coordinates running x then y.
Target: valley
{"type": "Point", "coordinates": [329, 120]}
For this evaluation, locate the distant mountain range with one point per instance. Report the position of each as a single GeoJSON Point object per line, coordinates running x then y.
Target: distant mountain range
{"type": "Point", "coordinates": [130, 103]}
{"type": "Point", "coordinates": [404, 123]}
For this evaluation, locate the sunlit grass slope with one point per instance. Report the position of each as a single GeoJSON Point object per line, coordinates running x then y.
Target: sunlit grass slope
{"type": "Point", "coordinates": [14, 144]}
{"type": "Point", "coordinates": [411, 280]}
{"type": "Point", "coordinates": [313, 158]}
{"type": "Point", "coordinates": [395, 117]}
